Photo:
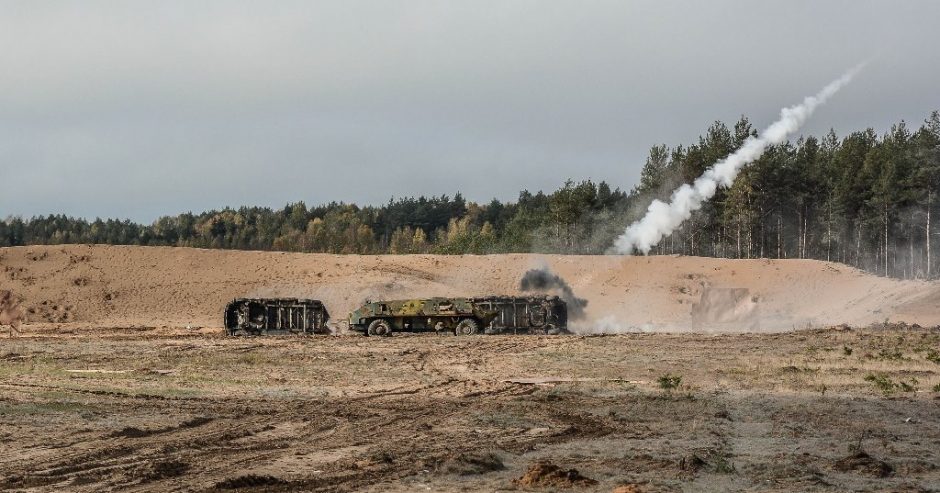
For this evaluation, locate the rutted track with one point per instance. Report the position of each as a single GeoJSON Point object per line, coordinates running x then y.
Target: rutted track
{"type": "Point", "coordinates": [414, 412]}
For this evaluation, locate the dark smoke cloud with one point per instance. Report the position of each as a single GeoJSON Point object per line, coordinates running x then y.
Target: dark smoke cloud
{"type": "Point", "coordinates": [543, 280]}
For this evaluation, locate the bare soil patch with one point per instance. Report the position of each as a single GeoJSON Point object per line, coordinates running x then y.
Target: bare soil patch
{"type": "Point", "coordinates": [783, 412]}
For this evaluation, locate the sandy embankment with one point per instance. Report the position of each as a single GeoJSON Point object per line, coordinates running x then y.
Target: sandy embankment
{"type": "Point", "coordinates": [118, 286]}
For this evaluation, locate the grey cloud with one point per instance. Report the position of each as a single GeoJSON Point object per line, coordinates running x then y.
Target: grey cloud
{"type": "Point", "coordinates": [137, 109]}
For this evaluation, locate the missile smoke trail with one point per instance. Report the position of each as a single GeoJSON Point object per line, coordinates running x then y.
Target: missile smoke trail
{"type": "Point", "coordinates": [662, 219]}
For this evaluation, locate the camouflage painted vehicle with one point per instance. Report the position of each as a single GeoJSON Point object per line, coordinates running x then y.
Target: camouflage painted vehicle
{"type": "Point", "coordinates": [526, 314]}
{"type": "Point", "coordinates": [460, 316]}
{"type": "Point", "coordinates": [256, 316]}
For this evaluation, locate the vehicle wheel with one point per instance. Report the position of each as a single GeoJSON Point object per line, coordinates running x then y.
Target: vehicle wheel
{"type": "Point", "coordinates": [379, 328]}
{"type": "Point", "coordinates": [467, 327]}
{"type": "Point", "coordinates": [551, 330]}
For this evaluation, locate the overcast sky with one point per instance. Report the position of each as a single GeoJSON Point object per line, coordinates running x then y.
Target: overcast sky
{"type": "Point", "coordinates": [139, 109]}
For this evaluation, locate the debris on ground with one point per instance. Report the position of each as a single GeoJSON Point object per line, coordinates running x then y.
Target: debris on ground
{"type": "Point", "coordinates": [863, 463]}
{"type": "Point", "coordinates": [543, 473]}
{"type": "Point", "coordinates": [691, 463]}
{"type": "Point", "coordinates": [469, 464]}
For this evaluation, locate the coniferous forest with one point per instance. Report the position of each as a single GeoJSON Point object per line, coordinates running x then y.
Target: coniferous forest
{"type": "Point", "coordinates": [863, 199]}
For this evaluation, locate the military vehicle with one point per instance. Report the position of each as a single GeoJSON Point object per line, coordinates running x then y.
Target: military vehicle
{"type": "Point", "coordinates": [255, 316]}
{"type": "Point", "coordinates": [526, 315]}
{"type": "Point", "coordinates": [460, 316]}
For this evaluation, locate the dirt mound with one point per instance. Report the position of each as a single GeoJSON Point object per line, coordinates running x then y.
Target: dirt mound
{"type": "Point", "coordinates": [545, 474]}
{"type": "Point", "coordinates": [863, 463]}
{"type": "Point", "coordinates": [125, 286]}
{"type": "Point", "coordinates": [472, 463]}
{"type": "Point", "coordinates": [249, 481]}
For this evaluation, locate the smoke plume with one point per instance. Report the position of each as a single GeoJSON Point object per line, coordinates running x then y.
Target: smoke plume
{"type": "Point", "coordinates": [10, 311]}
{"type": "Point", "coordinates": [543, 280]}
{"type": "Point", "coordinates": [662, 219]}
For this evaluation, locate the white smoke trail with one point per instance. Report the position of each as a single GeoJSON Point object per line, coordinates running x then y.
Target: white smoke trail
{"type": "Point", "coordinates": [662, 219]}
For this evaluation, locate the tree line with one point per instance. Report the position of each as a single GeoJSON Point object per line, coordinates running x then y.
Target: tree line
{"type": "Point", "coordinates": [864, 199]}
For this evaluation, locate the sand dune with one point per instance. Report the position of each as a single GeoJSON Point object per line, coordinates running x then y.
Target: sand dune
{"type": "Point", "coordinates": [118, 286]}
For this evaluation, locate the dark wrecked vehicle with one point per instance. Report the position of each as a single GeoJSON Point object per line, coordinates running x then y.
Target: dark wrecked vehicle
{"type": "Point", "coordinates": [525, 314]}
{"type": "Point", "coordinates": [258, 316]}
{"type": "Point", "coordinates": [459, 316]}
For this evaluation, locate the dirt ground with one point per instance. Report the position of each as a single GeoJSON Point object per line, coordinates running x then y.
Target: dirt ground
{"type": "Point", "coordinates": [122, 409]}
{"type": "Point", "coordinates": [122, 286]}
{"type": "Point", "coordinates": [689, 374]}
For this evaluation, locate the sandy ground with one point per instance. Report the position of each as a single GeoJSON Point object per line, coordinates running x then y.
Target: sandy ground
{"type": "Point", "coordinates": [708, 378]}
{"type": "Point", "coordinates": [98, 286]}
{"type": "Point", "coordinates": [153, 410]}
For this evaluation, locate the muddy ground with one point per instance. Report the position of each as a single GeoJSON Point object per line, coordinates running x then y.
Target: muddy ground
{"type": "Point", "coordinates": [159, 410]}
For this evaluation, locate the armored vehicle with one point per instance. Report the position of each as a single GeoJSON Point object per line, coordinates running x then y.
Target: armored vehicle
{"type": "Point", "coordinates": [257, 316]}
{"type": "Point", "coordinates": [526, 315]}
{"type": "Point", "coordinates": [458, 315]}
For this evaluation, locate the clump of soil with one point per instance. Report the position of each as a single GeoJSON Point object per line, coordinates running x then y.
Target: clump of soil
{"type": "Point", "coordinates": [862, 462]}
{"type": "Point", "coordinates": [131, 432]}
{"type": "Point", "coordinates": [197, 421]}
{"type": "Point", "coordinates": [248, 481]}
{"type": "Point", "coordinates": [543, 473]}
{"type": "Point", "coordinates": [473, 463]}
{"type": "Point", "coordinates": [167, 469]}
{"type": "Point", "coordinates": [380, 457]}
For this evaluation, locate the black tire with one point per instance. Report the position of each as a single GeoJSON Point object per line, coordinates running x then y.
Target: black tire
{"type": "Point", "coordinates": [379, 328]}
{"type": "Point", "coordinates": [467, 327]}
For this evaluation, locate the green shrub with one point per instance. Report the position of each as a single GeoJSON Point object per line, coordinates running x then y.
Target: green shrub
{"type": "Point", "coordinates": [884, 384]}
{"type": "Point", "coordinates": [888, 386]}
{"type": "Point", "coordinates": [669, 381]}
{"type": "Point", "coordinates": [933, 355]}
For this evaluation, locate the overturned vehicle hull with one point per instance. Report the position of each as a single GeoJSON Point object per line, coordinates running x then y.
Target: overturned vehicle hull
{"type": "Point", "coordinates": [257, 316]}
{"type": "Point", "coordinates": [458, 316]}
{"type": "Point", "coordinates": [525, 314]}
